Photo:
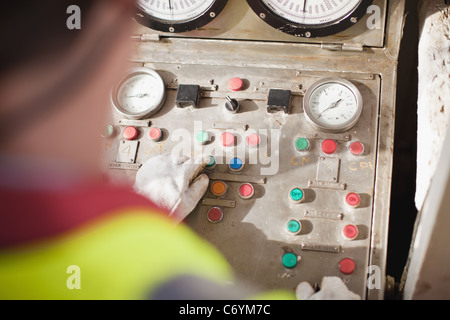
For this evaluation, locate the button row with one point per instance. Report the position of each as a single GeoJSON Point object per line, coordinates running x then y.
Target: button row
{"type": "Point", "coordinates": [328, 146]}
{"type": "Point", "coordinates": [297, 195]}
{"type": "Point", "coordinates": [236, 164]}
{"type": "Point", "coordinates": [132, 133]}
{"type": "Point", "coordinates": [219, 189]}
{"type": "Point", "coordinates": [349, 232]}
{"type": "Point", "coordinates": [228, 139]}
{"type": "Point", "coordinates": [290, 260]}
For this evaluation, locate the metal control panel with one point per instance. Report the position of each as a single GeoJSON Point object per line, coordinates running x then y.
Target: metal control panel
{"type": "Point", "coordinates": [299, 139]}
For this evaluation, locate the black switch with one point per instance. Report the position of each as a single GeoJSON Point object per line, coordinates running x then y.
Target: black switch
{"type": "Point", "coordinates": [188, 95]}
{"type": "Point", "coordinates": [278, 100]}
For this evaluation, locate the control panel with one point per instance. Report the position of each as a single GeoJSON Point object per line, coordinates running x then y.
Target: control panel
{"type": "Point", "coordinates": [294, 197]}
{"type": "Point", "coordinates": [298, 136]}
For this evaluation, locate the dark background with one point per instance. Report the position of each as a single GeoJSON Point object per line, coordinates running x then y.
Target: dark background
{"type": "Point", "coordinates": [403, 210]}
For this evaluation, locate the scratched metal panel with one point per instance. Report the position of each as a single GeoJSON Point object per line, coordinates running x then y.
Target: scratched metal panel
{"type": "Point", "coordinates": [260, 239]}
{"type": "Point", "coordinates": [238, 22]}
{"type": "Point", "coordinates": [257, 226]}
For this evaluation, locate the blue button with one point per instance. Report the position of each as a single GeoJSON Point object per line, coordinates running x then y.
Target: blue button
{"type": "Point", "coordinates": [236, 164]}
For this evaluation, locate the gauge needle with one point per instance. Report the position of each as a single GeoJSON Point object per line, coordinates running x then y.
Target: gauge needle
{"type": "Point", "coordinates": [171, 8]}
{"type": "Point", "coordinates": [332, 106]}
{"type": "Point", "coordinates": [304, 6]}
{"type": "Point", "coordinates": [140, 95]}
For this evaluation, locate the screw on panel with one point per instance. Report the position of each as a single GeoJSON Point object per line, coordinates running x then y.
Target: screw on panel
{"type": "Point", "coordinates": [171, 29]}
{"type": "Point", "coordinates": [354, 19]}
{"type": "Point", "coordinates": [212, 14]}
{"type": "Point", "coordinates": [262, 15]}
{"type": "Point", "coordinates": [307, 34]}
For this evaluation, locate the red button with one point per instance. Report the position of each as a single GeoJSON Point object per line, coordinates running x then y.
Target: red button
{"type": "Point", "coordinates": [246, 191]}
{"type": "Point", "coordinates": [347, 266]}
{"type": "Point", "coordinates": [357, 148]}
{"type": "Point", "coordinates": [236, 84]}
{"type": "Point", "coordinates": [253, 140]}
{"type": "Point", "coordinates": [353, 199]}
{"type": "Point", "coordinates": [329, 146]}
{"type": "Point", "coordinates": [227, 139]}
{"type": "Point", "coordinates": [155, 134]}
{"type": "Point", "coordinates": [350, 232]}
{"type": "Point", "coordinates": [130, 133]}
{"type": "Point", "coordinates": [215, 215]}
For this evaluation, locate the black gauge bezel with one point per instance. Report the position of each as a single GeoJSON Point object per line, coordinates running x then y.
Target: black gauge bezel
{"type": "Point", "coordinates": [182, 26]}
{"type": "Point", "coordinates": [305, 30]}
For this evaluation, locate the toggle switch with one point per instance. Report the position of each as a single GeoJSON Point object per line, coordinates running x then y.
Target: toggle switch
{"type": "Point", "coordinates": [231, 105]}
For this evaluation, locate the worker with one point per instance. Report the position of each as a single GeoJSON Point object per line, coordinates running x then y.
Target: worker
{"type": "Point", "coordinates": [64, 232]}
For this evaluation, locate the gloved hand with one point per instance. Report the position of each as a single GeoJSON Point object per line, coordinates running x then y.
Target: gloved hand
{"type": "Point", "coordinates": [172, 183]}
{"type": "Point", "coordinates": [332, 288]}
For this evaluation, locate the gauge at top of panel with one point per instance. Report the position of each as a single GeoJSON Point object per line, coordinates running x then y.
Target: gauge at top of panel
{"type": "Point", "coordinates": [310, 18]}
{"type": "Point", "coordinates": [177, 15]}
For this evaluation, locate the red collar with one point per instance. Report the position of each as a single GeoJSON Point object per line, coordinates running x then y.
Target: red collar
{"type": "Point", "coordinates": [30, 215]}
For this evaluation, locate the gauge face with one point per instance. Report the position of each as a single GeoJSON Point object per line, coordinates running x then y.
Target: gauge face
{"type": "Point", "coordinates": [333, 105]}
{"type": "Point", "coordinates": [140, 93]}
{"type": "Point", "coordinates": [178, 15]}
{"type": "Point", "coordinates": [310, 18]}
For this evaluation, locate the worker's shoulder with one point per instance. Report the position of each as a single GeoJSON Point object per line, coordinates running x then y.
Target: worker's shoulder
{"type": "Point", "coordinates": [32, 215]}
{"type": "Point", "coordinates": [127, 250]}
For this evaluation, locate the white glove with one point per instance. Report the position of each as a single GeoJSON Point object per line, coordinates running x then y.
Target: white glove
{"type": "Point", "coordinates": [169, 183]}
{"type": "Point", "coordinates": [332, 288]}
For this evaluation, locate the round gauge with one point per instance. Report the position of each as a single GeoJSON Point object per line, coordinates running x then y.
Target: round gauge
{"type": "Point", "coordinates": [140, 93]}
{"type": "Point", "coordinates": [310, 18]}
{"type": "Point", "coordinates": [177, 15]}
{"type": "Point", "coordinates": [333, 105]}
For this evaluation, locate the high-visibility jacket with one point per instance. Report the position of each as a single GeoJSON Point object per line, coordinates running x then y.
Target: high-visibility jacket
{"type": "Point", "coordinates": [98, 242]}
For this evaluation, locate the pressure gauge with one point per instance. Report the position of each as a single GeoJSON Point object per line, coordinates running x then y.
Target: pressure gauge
{"type": "Point", "coordinates": [310, 18]}
{"type": "Point", "coordinates": [177, 15]}
{"type": "Point", "coordinates": [333, 105]}
{"type": "Point", "coordinates": [140, 93]}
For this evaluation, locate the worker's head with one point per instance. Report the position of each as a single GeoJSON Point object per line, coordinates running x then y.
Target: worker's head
{"type": "Point", "coordinates": [55, 79]}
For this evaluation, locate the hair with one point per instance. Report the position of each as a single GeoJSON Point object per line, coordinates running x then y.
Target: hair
{"type": "Point", "coordinates": [34, 30]}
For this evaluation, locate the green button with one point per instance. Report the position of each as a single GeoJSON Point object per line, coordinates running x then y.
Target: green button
{"type": "Point", "coordinates": [289, 260]}
{"type": "Point", "coordinates": [293, 226]}
{"type": "Point", "coordinates": [296, 194]}
{"type": "Point", "coordinates": [212, 162]}
{"type": "Point", "coordinates": [108, 131]}
{"type": "Point", "coordinates": [302, 144]}
{"type": "Point", "coordinates": [201, 137]}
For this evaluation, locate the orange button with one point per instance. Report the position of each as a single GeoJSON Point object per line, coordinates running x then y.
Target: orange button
{"type": "Point", "coordinates": [218, 188]}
